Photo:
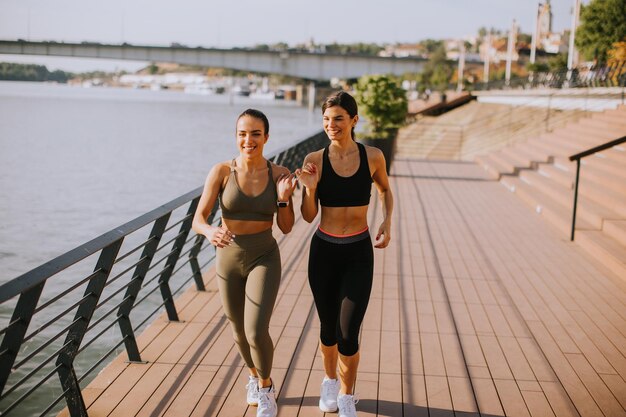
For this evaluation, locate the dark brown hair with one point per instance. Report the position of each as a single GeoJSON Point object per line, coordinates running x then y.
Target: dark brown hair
{"type": "Point", "coordinates": [343, 100]}
{"type": "Point", "coordinates": [257, 114]}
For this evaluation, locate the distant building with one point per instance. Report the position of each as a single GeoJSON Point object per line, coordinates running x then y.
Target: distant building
{"type": "Point", "coordinates": [556, 43]}
{"type": "Point", "coordinates": [544, 19]}
{"type": "Point", "coordinates": [550, 42]}
{"type": "Point", "coordinates": [404, 50]}
{"type": "Point", "coordinates": [453, 49]}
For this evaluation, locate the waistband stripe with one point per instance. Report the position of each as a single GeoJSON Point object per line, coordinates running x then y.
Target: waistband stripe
{"type": "Point", "coordinates": [340, 236]}
{"type": "Point", "coordinates": [342, 239]}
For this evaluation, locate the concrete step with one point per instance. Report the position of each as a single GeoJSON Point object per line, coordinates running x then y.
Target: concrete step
{"type": "Point", "coordinates": [592, 124]}
{"type": "Point", "coordinates": [616, 229]}
{"type": "Point", "coordinates": [554, 147]}
{"type": "Point", "coordinates": [611, 165]}
{"type": "Point", "coordinates": [527, 156]}
{"type": "Point", "coordinates": [617, 153]}
{"type": "Point", "coordinates": [557, 174]}
{"type": "Point", "coordinates": [606, 250]}
{"type": "Point", "coordinates": [516, 157]}
{"type": "Point", "coordinates": [613, 177]}
{"type": "Point", "coordinates": [587, 209]}
{"type": "Point", "coordinates": [553, 212]}
{"type": "Point", "coordinates": [566, 176]}
{"type": "Point", "coordinates": [616, 117]}
{"type": "Point", "coordinates": [604, 196]}
{"type": "Point", "coordinates": [492, 167]}
{"type": "Point", "coordinates": [575, 134]}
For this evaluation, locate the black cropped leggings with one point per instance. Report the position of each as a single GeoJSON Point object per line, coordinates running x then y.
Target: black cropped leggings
{"type": "Point", "coordinates": [340, 276]}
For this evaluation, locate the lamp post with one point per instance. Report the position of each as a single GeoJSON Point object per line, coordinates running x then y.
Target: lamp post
{"type": "Point", "coordinates": [459, 85]}
{"type": "Point", "coordinates": [487, 59]}
{"type": "Point", "coordinates": [572, 55]}
{"type": "Point", "coordinates": [533, 44]}
{"type": "Point", "coordinates": [509, 52]}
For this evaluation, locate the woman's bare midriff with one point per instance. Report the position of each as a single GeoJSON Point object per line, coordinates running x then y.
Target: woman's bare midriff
{"type": "Point", "coordinates": [246, 227]}
{"type": "Point", "coordinates": [343, 220]}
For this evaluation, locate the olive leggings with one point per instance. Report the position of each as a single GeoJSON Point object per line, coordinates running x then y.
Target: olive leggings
{"type": "Point", "coordinates": [248, 279]}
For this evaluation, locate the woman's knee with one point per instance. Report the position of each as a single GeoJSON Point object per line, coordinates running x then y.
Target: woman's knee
{"type": "Point", "coordinates": [348, 346]}
{"type": "Point", "coordinates": [257, 336]}
{"type": "Point", "coordinates": [239, 335]}
{"type": "Point", "coordinates": [327, 335]}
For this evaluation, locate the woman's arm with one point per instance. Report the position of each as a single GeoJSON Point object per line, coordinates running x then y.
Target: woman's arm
{"type": "Point", "coordinates": [381, 180]}
{"type": "Point", "coordinates": [285, 185]}
{"type": "Point", "coordinates": [217, 236]}
{"type": "Point", "coordinates": [309, 177]}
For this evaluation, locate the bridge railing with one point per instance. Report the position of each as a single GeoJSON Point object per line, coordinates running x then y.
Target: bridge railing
{"type": "Point", "coordinates": [69, 315]}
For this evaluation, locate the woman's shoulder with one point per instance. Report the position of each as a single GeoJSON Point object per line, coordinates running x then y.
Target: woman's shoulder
{"type": "Point", "coordinates": [372, 152]}
{"type": "Point", "coordinates": [223, 166]}
{"type": "Point", "coordinates": [278, 170]}
{"type": "Point", "coordinates": [315, 156]}
{"type": "Point", "coordinates": [219, 171]}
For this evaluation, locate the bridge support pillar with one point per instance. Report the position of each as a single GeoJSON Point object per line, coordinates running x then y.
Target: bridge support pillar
{"type": "Point", "coordinates": [311, 96]}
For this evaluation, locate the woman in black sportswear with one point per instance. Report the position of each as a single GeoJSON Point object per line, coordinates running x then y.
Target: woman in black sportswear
{"type": "Point", "coordinates": [341, 260]}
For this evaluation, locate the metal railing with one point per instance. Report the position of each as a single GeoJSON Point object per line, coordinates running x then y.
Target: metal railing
{"type": "Point", "coordinates": [613, 75]}
{"type": "Point", "coordinates": [577, 157]}
{"type": "Point", "coordinates": [50, 334]}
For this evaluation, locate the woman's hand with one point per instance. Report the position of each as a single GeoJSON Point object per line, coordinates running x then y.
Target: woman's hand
{"type": "Point", "coordinates": [308, 175]}
{"type": "Point", "coordinates": [385, 232]}
{"type": "Point", "coordinates": [285, 186]}
{"type": "Point", "coordinates": [219, 237]}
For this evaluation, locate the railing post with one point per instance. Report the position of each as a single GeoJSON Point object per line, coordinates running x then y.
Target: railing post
{"type": "Point", "coordinates": [575, 199]}
{"type": "Point", "coordinates": [195, 250]}
{"type": "Point", "coordinates": [548, 113]}
{"type": "Point", "coordinates": [123, 313]}
{"type": "Point", "coordinates": [76, 333]}
{"type": "Point", "coordinates": [164, 279]}
{"type": "Point", "coordinates": [12, 340]}
{"type": "Point", "coordinates": [195, 266]}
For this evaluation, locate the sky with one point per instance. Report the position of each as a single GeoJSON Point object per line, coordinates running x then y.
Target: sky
{"type": "Point", "coordinates": [229, 23]}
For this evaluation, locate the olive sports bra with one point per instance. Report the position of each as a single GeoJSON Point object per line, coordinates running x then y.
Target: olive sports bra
{"type": "Point", "coordinates": [236, 205]}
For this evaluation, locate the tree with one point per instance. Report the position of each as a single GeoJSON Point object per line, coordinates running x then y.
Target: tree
{"type": "Point", "coordinates": [558, 62]}
{"type": "Point", "coordinates": [153, 69]}
{"type": "Point", "coordinates": [603, 22]}
{"type": "Point", "coordinates": [437, 71]}
{"type": "Point", "coordinates": [524, 38]}
{"type": "Point", "coordinates": [431, 45]}
{"type": "Point", "coordinates": [537, 67]}
{"type": "Point", "coordinates": [30, 72]}
{"type": "Point", "coordinates": [383, 103]}
{"type": "Point", "coordinates": [617, 53]}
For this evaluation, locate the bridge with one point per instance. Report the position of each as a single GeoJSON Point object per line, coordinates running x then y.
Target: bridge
{"type": "Point", "coordinates": [307, 65]}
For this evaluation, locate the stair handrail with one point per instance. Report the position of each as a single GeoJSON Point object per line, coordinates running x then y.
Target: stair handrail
{"type": "Point", "coordinates": [577, 157]}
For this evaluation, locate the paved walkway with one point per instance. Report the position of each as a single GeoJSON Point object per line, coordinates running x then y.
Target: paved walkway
{"type": "Point", "coordinates": [479, 307]}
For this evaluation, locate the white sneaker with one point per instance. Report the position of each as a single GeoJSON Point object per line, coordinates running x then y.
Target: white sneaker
{"type": "Point", "coordinates": [267, 403]}
{"type": "Point", "coordinates": [347, 405]}
{"type": "Point", "coordinates": [328, 395]}
{"type": "Point", "coordinates": [253, 390]}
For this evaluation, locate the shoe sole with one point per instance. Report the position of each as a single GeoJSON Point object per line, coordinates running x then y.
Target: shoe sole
{"type": "Point", "coordinates": [328, 410]}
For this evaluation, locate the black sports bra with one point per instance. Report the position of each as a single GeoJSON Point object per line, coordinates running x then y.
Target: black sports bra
{"type": "Point", "coordinates": [336, 191]}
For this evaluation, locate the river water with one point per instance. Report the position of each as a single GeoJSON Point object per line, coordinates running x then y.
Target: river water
{"type": "Point", "coordinates": [76, 162]}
